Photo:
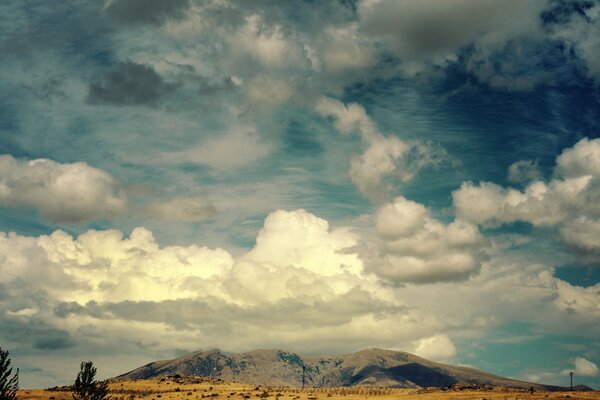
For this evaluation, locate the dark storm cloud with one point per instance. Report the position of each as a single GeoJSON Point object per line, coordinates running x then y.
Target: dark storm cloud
{"type": "Point", "coordinates": [561, 11]}
{"type": "Point", "coordinates": [146, 11]}
{"type": "Point", "coordinates": [52, 339]}
{"type": "Point", "coordinates": [128, 83]}
{"type": "Point", "coordinates": [33, 333]}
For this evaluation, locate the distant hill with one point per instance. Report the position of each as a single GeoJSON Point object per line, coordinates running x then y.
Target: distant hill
{"type": "Point", "coordinates": [370, 367]}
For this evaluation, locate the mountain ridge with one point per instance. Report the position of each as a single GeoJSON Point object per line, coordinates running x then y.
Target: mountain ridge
{"type": "Point", "coordinates": [368, 367]}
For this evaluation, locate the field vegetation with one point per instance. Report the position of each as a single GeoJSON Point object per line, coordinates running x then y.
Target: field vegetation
{"type": "Point", "coordinates": [196, 388]}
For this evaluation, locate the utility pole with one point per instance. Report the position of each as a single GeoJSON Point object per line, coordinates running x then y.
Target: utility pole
{"type": "Point", "coordinates": [571, 373]}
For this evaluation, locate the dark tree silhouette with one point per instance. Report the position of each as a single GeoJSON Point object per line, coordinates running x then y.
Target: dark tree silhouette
{"type": "Point", "coordinates": [86, 387]}
{"type": "Point", "coordinates": [8, 384]}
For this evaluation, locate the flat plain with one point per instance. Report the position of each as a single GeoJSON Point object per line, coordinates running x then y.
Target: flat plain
{"type": "Point", "coordinates": [206, 388]}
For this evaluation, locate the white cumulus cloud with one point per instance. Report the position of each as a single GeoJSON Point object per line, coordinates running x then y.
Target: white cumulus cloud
{"type": "Point", "coordinates": [438, 347]}
{"type": "Point", "coordinates": [301, 239]}
{"type": "Point", "coordinates": [60, 192]}
{"type": "Point", "coordinates": [570, 201]}
{"type": "Point", "coordinates": [414, 247]}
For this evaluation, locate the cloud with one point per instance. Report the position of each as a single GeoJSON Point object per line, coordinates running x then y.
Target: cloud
{"type": "Point", "coordinates": [347, 118]}
{"type": "Point", "coordinates": [438, 347]}
{"type": "Point", "coordinates": [268, 91]}
{"type": "Point", "coordinates": [387, 158]}
{"type": "Point", "coordinates": [343, 50]}
{"type": "Point", "coordinates": [569, 201]}
{"type": "Point", "coordinates": [576, 299]}
{"type": "Point", "coordinates": [580, 160]}
{"type": "Point", "coordinates": [524, 171]}
{"type": "Point", "coordinates": [77, 192]}
{"type": "Point", "coordinates": [301, 239]}
{"type": "Point", "coordinates": [412, 247]}
{"type": "Point", "coordinates": [128, 83]}
{"type": "Point", "coordinates": [154, 12]}
{"type": "Point", "coordinates": [105, 265]}
{"type": "Point", "coordinates": [264, 43]}
{"type": "Point", "coordinates": [300, 285]}
{"type": "Point", "coordinates": [540, 204]}
{"type": "Point", "coordinates": [577, 24]}
{"type": "Point", "coordinates": [60, 192]}
{"type": "Point", "coordinates": [418, 29]}
{"type": "Point", "coordinates": [585, 367]}
{"type": "Point", "coordinates": [581, 235]}
{"type": "Point", "coordinates": [228, 152]}
{"type": "Point", "coordinates": [384, 158]}
{"type": "Point", "coordinates": [184, 209]}
{"type": "Point", "coordinates": [581, 368]}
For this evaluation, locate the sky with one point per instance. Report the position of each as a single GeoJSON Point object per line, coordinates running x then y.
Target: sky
{"type": "Point", "coordinates": [314, 176]}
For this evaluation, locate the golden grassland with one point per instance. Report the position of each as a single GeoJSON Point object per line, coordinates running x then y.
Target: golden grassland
{"type": "Point", "coordinates": [215, 389]}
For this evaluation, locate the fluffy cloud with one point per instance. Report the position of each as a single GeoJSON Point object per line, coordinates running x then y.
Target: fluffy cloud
{"type": "Point", "coordinates": [303, 240]}
{"type": "Point", "coordinates": [438, 347]}
{"type": "Point", "coordinates": [301, 284]}
{"type": "Point", "coordinates": [105, 266]}
{"type": "Point", "coordinates": [384, 157]}
{"type": "Point", "coordinates": [577, 299]}
{"type": "Point", "coordinates": [581, 235]}
{"type": "Point", "coordinates": [580, 160]}
{"type": "Point", "coordinates": [569, 201]}
{"type": "Point", "coordinates": [347, 118]}
{"type": "Point", "coordinates": [60, 192]}
{"type": "Point", "coordinates": [414, 247]}
{"type": "Point", "coordinates": [301, 274]}
{"type": "Point", "coordinates": [585, 367]}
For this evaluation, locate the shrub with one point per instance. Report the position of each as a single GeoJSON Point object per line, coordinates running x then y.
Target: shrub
{"type": "Point", "coordinates": [86, 387]}
{"type": "Point", "coordinates": [8, 384]}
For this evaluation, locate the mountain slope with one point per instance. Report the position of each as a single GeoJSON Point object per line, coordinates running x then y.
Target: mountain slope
{"type": "Point", "coordinates": [370, 367]}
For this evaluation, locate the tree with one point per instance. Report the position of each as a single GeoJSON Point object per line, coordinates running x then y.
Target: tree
{"type": "Point", "coordinates": [8, 384]}
{"type": "Point", "coordinates": [86, 387]}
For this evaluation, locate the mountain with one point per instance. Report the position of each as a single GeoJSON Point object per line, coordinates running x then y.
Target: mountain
{"type": "Point", "coordinates": [371, 367]}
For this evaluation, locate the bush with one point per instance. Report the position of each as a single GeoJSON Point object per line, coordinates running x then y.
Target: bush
{"type": "Point", "coordinates": [8, 384]}
{"type": "Point", "coordinates": [86, 387]}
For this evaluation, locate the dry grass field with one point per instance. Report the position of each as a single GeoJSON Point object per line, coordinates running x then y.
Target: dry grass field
{"type": "Point", "coordinates": [202, 388]}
